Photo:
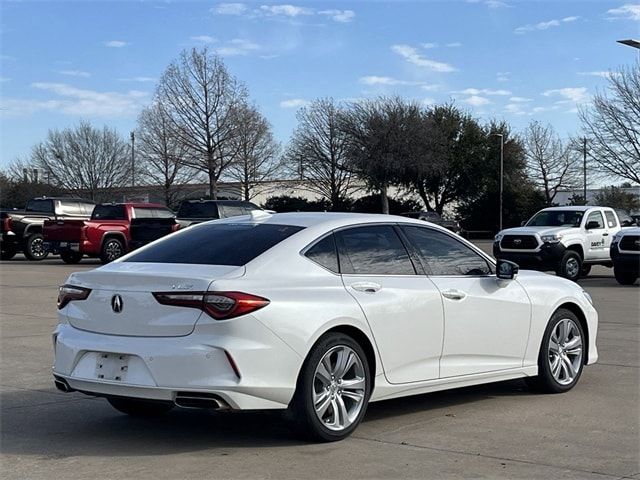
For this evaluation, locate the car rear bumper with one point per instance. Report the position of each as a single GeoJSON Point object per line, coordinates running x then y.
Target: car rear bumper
{"type": "Point", "coordinates": [547, 258]}
{"type": "Point", "coordinates": [253, 370]}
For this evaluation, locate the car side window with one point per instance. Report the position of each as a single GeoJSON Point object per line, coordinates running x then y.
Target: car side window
{"type": "Point", "coordinates": [373, 250]}
{"type": "Point", "coordinates": [611, 219]}
{"type": "Point", "coordinates": [444, 255]}
{"type": "Point", "coordinates": [325, 254]}
{"type": "Point", "coordinates": [595, 217]}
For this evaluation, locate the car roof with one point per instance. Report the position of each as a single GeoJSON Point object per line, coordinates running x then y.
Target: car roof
{"type": "Point", "coordinates": [578, 208]}
{"type": "Point", "coordinates": [195, 200]}
{"type": "Point", "coordinates": [67, 199]}
{"type": "Point", "coordinates": [137, 204]}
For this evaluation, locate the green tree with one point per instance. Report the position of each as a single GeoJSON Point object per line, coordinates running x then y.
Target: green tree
{"type": "Point", "coordinates": [616, 197]}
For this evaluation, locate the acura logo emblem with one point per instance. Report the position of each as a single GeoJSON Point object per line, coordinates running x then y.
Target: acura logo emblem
{"type": "Point", "coordinates": [116, 303]}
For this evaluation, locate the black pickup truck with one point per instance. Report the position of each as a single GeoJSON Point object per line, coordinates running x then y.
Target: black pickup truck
{"type": "Point", "coordinates": [198, 211]}
{"type": "Point", "coordinates": [21, 230]}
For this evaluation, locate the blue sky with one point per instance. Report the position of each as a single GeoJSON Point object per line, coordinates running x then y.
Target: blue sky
{"type": "Point", "coordinates": [66, 61]}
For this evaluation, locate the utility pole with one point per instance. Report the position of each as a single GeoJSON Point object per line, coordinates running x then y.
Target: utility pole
{"type": "Point", "coordinates": [133, 160]}
{"type": "Point", "coordinates": [584, 169]}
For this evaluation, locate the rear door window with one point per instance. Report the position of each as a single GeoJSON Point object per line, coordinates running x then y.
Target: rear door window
{"type": "Point", "coordinates": [373, 250]}
{"type": "Point", "coordinates": [611, 219]}
{"type": "Point", "coordinates": [324, 253]}
{"type": "Point", "coordinates": [225, 244]}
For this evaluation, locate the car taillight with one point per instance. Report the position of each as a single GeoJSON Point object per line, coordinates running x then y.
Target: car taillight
{"type": "Point", "coordinates": [6, 224]}
{"type": "Point", "coordinates": [83, 233]}
{"type": "Point", "coordinates": [219, 305]}
{"type": "Point", "coordinates": [69, 293]}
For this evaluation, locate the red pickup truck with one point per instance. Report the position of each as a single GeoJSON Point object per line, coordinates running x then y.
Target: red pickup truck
{"type": "Point", "coordinates": [113, 230]}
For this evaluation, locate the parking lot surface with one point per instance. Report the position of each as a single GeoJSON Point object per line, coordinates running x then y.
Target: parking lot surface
{"type": "Point", "coordinates": [500, 430]}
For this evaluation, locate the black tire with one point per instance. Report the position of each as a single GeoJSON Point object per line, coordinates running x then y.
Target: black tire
{"type": "Point", "coordinates": [8, 252]}
{"type": "Point", "coordinates": [570, 266]}
{"type": "Point", "coordinates": [112, 249]}
{"type": "Point", "coordinates": [34, 248]}
{"type": "Point", "coordinates": [302, 413]}
{"type": "Point", "coordinates": [625, 278]}
{"type": "Point", "coordinates": [585, 270]}
{"type": "Point", "coordinates": [70, 257]}
{"type": "Point", "coordinates": [545, 381]}
{"type": "Point", "coordinates": [140, 408]}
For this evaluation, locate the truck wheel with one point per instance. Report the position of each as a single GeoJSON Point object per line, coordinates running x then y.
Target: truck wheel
{"type": "Point", "coordinates": [625, 278]}
{"type": "Point", "coordinates": [70, 257]}
{"type": "Point", "coordinates": [8, 252]}
{"type": "Point", "coordinates": [34, 248]}
{"type": "Point", "coordinates": [585, 270]}
{"type": "Point", "coordinates": [112, 249]}
{"type": "Point", "coordinates": [570, 266]}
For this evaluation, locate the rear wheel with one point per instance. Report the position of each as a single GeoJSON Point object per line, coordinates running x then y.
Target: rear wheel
{"type": "Point", "coordinates": [140, 408]}
{"type": "Point", "coordinates": [625, 278]}
{"type": "Point", "coordinates": [112, 249]}
{"type": "Point", "coordinates": [561, 356]}
{"type": "Point", "coordinates": [570, 266]}
{"type": "Point", "coordinates": [333, 389]}
{"type": "Point", "coordinates": [585, 270]}
{"type": "Point", "coordinates": [34, 247]}
{"type": "Point", "coordinates": [70, 257]}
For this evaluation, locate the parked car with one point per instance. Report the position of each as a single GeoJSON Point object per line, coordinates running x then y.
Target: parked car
{"type": "Point", "coordinates": [113, 230]}
{"type": "Point", "coordinates": [434, 217]}
{"type": "Point", "coordinates": [568, 240]}
{"type": "Point", "coordinates": [21, 230]}
{"type": "Point", "coordinates": [257, 312]}
{"type": "Point", "coordinates": [625, 253]}
{"type": "Point", "coordinates": [192, 212]}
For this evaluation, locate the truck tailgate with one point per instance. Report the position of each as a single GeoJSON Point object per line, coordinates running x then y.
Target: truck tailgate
{"type": "Point", "coordinates": [62, 230]}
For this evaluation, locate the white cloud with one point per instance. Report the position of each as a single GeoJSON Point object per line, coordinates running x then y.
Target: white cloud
{"type": "Point", "coordinates": [454, 44]}
{"type": "Point", "coordinates": [376, 80]}
{"type": "Point", "coordinates": [204, 39]}
{"type": "Point", "coordinates": [115, 44]}
{"type": "Point", "coordinates": [545, 25]}
{"type": "Point", "coordinates": [74, 73]}
{"type": "Point", "coordinates": [411, 55]}
{"type": "Point", "coordinates": [238, 46]}
{"type": "Point", "coordinates": [137, 79]}
{"type": "Point", "coordinates": [83, 102]}
{"type": "Point", "coordinates": [628, 11]}
{"type": "Point", "coordinates": [503, 76]}
{"type": "Point", "coordinates": [476, 101]}
{"type": "Point", "coordinates": [294, 103]}
{"type": "Point", "coordinates": [230, 9]}
{"type": "Point", "coordinates": [429, 45]}
{"type": "Point", "coordinates": [286, 10]}
{"type": "Point", "coordinates": [520, 100]}
{"type": "Point", "coordinates": [491, 3]}
{"type": "Point", "coordinates": [600, 73]}
{"type": "Point", "coordinates": [484, 91]}
{"type": "Point", "coordinates": [572, 94]}
{"type": "Point", "coordinates": [341, 16]}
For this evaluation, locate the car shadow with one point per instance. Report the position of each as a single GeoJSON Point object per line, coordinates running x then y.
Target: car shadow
{"type": "Point", "coordinates": [66, 425]}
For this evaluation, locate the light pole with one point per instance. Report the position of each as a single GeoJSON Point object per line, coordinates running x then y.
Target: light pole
{"type": "Point", "coordinates": [501, 172]}
{"type": "Point", "coordinates": [630, 42]}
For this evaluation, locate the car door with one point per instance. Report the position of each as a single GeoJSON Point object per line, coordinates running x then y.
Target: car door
{"type": "Point", "coordinates": [486, 322]}
{"type": "Point", "coordinates": [404, 310]}
{"type": "Point", "coordinates": [597, 236]}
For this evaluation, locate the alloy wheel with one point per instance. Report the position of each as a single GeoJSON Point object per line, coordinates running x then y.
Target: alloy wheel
{"type": "Point", "coordinates": [572, 267]}
{"type": "Point", "coordinates": [113, 251]}
{"type": "Point", "coordinates": [37, 248]}
{"type": "Point", "coordinates": [565, 351]}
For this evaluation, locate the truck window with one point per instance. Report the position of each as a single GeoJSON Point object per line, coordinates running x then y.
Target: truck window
{"type": "Point", "coordinates": [611, 219]}
{"type": "Point", "coordinates": [109, 212]}
{"type": "Point", "coordinates": [595, 217]}
{"type": "Point", "coordinates": [198, 210]}
{"type": "Point", "coordinates": [40, 205]}
{"type": "Point", "coordinates": [163, 213]}
{"type": "Point", "coordinates": [232, 210]}
{"type": "Point", "coordinates": [141, 212]}
{"type": "Point", "coordinates": [556, 218]}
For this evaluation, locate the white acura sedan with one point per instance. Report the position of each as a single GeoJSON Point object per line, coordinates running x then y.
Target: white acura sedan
{"type": "Point", "coordinates": [315, 313]}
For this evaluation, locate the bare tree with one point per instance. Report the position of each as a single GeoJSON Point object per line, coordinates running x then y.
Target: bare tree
{"type": "Point", "coordinates": [84, 159]}
{"type": "Point", "coordinates": [162, 155]}
{"type": "Point", "coordinates": [612, 125]}
{"type": "Point", "coordinates": [257, 151]}
{"type": "Point", "coordinates": [318, 151]}
{"type": "Point", "coordinates": [203, 100]}
{"type": "Point", "coordinates": [552, 164]}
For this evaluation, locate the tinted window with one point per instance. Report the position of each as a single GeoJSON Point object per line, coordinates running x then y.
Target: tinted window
{"type": "Point", "coordinates": [374, 250]}
{"type": "Point", "coordinates": [226, 244]}
{"type": "Point", "coordinates": [324, 253]}
{"type": "Point", "coordinates": [556, 218]}
{"type": "Point", "coordinates": [595, 217]}
{"type": "Point", "coordinates": [611, 219]}
{"type": "Point", "coordinates": [198, 210]}
{"type": "Point", "coordinates": [444, 255]}
{"type": "Point", "coordinates": [40, 206]}
{"type": "Point", "coordinates": [139, 212]}
{"type": "Point", "coordinates": [109, 212]}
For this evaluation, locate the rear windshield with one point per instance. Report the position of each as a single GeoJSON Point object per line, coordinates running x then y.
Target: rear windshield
{"type": "Point", "coordinates": [198, 210]}
{"type": "Point", "coordinates": [109, 212]}
{"type": "Point", "coordinates": [226, 244]}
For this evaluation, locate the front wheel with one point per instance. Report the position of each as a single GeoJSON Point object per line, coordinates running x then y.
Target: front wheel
{"type": "Point", "coordinates": [70, 257]}
{"type": "Point", "coordinates": [140, 408]}
{"type": "Point", "coordinates": [570, 266]}
{"type": "Point", "coordinates": [333, 389]}
{"type": "Point", "coordinates": [625, 278]}
{"type": "Point", "coordinates": [34, 248]}
{"type": "Point", "coordinates": [561, 356]}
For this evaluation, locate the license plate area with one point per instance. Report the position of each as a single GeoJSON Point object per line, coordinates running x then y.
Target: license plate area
{"type": "Point", "coordinates": [112, 366]}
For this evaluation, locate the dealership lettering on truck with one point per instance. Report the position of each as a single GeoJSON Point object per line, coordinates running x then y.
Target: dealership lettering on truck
{"type": "Point", "coordinates": [567, 240]}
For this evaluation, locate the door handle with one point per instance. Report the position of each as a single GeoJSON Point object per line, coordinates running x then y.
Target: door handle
{"type": "Point", "coordinates": [605, 234]}
{"type": "Point", "coordinates": [454, 294]}
{"type": "Point", "coordinates": [367, 287]}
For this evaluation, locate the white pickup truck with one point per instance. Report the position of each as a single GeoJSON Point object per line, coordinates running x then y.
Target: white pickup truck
{"type": "Point", "coordinates": [567, 240]}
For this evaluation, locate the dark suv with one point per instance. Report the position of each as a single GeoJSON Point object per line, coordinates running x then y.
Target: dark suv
{"type": "Point", "coordinates": [198, 211]}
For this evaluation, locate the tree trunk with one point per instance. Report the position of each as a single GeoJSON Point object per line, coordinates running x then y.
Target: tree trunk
{"type": "Point", "coordinates": [213, 186]}
{"type": "Point", "coordinates": [384, 200]}
{"type": "Point", "coordinates": [246, 191]}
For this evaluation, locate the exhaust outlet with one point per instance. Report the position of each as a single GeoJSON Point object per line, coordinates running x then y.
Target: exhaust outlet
{"type": "Point", "coordinates": [199, 400]}
{"type": "Point", "coordinates": [62, 385]}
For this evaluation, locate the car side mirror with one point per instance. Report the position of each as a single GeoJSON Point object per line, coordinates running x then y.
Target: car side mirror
{"type": "Point", "coordinates": [592, 225]}
{"type": "Point", "coordinates": [506, 270]}
{"type": "Point", "coordinates": [523, 223]}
